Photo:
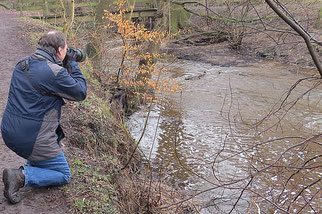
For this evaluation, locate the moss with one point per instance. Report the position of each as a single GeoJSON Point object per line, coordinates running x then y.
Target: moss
{"type": "Point", "coordinates": [178, 18]}
{"type": "Point", "coordinates": [87, 70]}
{"type": "Point", "coordinates": [2, 4]}
{"type": "Point", "coordinates": [319, 19]}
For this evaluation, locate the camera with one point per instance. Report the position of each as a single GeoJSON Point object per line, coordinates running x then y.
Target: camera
{"type": "Point", "coordinates": [79, 54]}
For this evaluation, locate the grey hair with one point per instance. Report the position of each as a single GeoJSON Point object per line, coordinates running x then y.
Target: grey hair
{"type": "Point", "coordinates": [54, 39]}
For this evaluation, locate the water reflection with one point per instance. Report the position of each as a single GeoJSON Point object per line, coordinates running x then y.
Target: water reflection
{"type": "Point", "coordinates": [173, 146]}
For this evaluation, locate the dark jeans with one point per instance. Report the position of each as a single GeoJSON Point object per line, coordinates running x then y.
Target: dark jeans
{"type": "Point", "coordinates": [52, 172]}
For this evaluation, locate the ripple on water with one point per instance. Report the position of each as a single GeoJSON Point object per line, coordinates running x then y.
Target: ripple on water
{"type": "Point", "coordinates": [211, 121]}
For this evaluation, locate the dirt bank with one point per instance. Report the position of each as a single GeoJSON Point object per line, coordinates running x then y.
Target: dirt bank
{"type": "Point", "coordinates": [257, 44]}
{"type": "Point", "coordinates": [221, 54]}
{"type": "Point", "coordinates": [13, 47]}
{"type": "Point", "coordinates": [215, 54]}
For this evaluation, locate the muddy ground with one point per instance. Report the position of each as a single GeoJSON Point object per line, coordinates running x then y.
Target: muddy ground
{"type": "Point", "coordinates": [13, 47]}
{"type": "Point", "coordinates": [221, 54]}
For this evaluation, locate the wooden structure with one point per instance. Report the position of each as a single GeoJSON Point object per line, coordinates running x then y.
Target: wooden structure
{"type": "Point", "coordinates": [48, 8]}
{"type": "Point", "coordinates": [143, 8]}
{"type": "Point", "coordinates": [144, 12]}
{"type": "Point", "coordinates": [32, 5]}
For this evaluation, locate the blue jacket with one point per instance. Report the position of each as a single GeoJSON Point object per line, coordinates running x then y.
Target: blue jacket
{"type": "Point", "coordinates": [30, 123]}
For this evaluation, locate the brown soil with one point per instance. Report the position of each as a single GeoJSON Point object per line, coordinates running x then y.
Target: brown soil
{"type": "Point", "coordinates": [13, 47]}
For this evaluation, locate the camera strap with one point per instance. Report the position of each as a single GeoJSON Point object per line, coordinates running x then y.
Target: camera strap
{"type": "Point", "coordinates": [24, 66]}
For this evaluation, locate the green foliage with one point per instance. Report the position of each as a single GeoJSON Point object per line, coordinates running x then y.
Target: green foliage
{"type": "Point", "coordinates": [78, 162]}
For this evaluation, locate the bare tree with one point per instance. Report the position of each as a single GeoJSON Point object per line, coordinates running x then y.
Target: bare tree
{"type": "Point", "coordinates": [68, 21]}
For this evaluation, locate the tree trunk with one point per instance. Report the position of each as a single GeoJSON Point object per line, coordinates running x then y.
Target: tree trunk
{"type": "Point", "coordinates": [45, 9]}
{"type": "Point", "coordinates": [319, 20]}
{"type": "Point", "coordinates": [171, 17]}
{"type": "Point", "coordinates": [71, 11]}
{"type": "Point", "coordinates": [162, 16]}
{"type": "Point", "coordinates": [96, 39]}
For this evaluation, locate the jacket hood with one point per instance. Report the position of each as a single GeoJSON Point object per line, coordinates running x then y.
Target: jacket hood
{"type": "Point", "coordinates": [47, 53]}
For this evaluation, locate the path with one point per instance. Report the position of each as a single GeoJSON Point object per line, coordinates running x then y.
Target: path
{"type": "Point", "coordinates": [12, 48]}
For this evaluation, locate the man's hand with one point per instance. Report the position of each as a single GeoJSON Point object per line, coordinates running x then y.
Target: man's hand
{"type": "Point", "coordinates": [70, 56]}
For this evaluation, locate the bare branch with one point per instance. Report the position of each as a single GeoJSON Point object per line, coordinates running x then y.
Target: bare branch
{"type": "Point", "coordinates": [300, 31]}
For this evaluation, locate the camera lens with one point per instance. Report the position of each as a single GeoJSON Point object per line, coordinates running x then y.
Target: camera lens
{"type": "Point", "coordinates": [80, 55]}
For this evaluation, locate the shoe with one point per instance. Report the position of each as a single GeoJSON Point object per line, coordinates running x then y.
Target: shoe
{"type": "Point", "coordinates": [13, 180]}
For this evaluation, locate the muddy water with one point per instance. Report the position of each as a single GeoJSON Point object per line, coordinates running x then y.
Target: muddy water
{"type": "Point", "coordinates": [204, 137]}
